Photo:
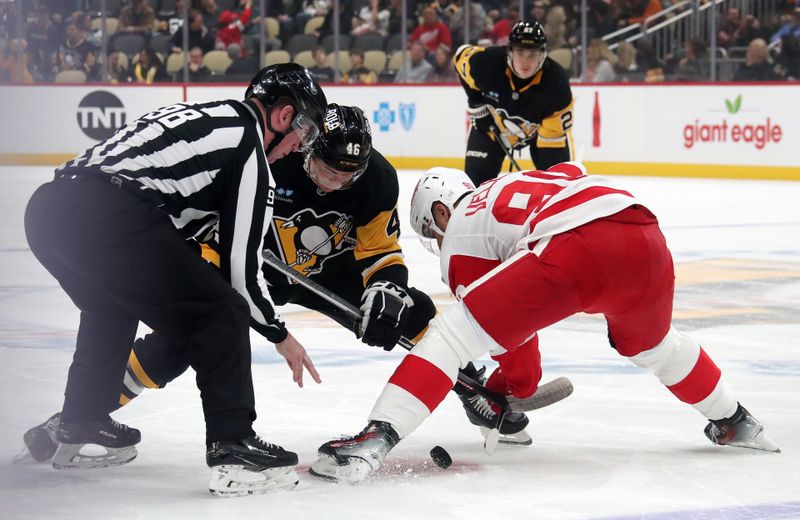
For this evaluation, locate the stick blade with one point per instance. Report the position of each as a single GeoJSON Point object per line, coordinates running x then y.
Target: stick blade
{"type": "Point", "coordinates": [549, 393]}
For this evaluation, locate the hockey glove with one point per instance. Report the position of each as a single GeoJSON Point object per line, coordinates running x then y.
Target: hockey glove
{"type": "Point", "coordinates": [385, 307]}
{"type": "Point", "coordinates": [481, 118]}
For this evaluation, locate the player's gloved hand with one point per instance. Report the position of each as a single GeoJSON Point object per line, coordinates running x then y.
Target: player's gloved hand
{"type": "Point", "coordinates": [481, 118]}
{"type": "Point", "coordinates": [342, 224]}
{"type": "Point", "coordinates": [385, 307]}
{"type": "Point", "coordinates": [303, 255]}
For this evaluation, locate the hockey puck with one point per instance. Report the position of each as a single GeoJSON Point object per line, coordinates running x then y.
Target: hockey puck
{"type": "Point", "coordinates": [441, 457]}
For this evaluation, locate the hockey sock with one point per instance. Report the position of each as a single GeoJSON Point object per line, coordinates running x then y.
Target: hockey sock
{"type": "Point", "coordinates": [135, 381]}
{"type": "Point", "coordinates": [519, 372]}
{"type": "Point", "coordinates": [690, 374]}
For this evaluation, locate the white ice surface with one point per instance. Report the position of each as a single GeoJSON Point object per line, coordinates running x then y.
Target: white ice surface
{"type": "Point", "coordinates": [620, 447]}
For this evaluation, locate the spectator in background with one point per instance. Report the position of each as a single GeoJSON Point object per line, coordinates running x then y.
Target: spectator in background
{"type": "Point", "coordinates": [199, 35]}
{"type": "Point", "coordinates": [43, 39]}
{"type": "Point", "coordinates": [695, 65]}
{"type": "Point", "coordinates": [443, 70]}
{"type": "Point", "coordinates": [149, 68]}
{"type": "Point", "coordinates": [599, 63]}
{"type": "Point", "coordinates": [416, 69]}
{"type": "Point", "coordinates": [75, 53]}
{"type": "Point", "coordinates": [749, 30]}
{"type": "Point", "coordinates": [345, 20]}
{"type": "Point", "coordinates": [372, 18]}
{"type": "Point", "coordinates": [321, 71]}
{"type": "Point", "coordinates": [242, 62]}
{"type": "Point", "coordinates": [729, 28]}
{"type": "Point", "coordinates": [502, 28]}
{"type": "Point", "coordinates": [791, 27]}
{"type": "Point", "coordinates": [539, 11]}
{"type": "Point", "coordinates": [757, 66]}
{"type": "Point", "coordinates": [431, 32]}
{"type": "Point", "coordinates": [599, 19]}
{"type": "Point", "coordinates": [648, 61]}
{"type": "Point", "coordinates": [555, 28]}
{"type": "Point", "coordinates": [198, 72]}
{"type": "Point", "coordinates": [118, 71]}
{"type": "Point", "coordinates": [626, 61]}
{"type": "Point", "coordinates": [477, 22]}
{"type": "Point", "coordinates": [788, 60]}
{"type": "Point", "coordinates": [232, 24]}
{"type": "Point", "coordinates": [14, 63]}
{"type": "Point", "coordinates": [138, 17]}
{"type": "Point", "coordinates": [93, 36]}
{"type": "Point", "coordinates": [358, 73]}
{"type": "Point", "coordinates": [210, 12]}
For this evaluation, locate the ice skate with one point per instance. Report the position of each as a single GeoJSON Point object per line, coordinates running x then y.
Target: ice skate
{"type": "Point", "coordinates": [354, 459]}
{"type": "Point", "coordinates": [249, 466]}
{"type": "Point", "coordinates": [79, 443]}
{"type": "Point", "coordinates": [40, 441]}
{"type": "Point", "coordinates": [741, 430]}
{"type": "Point", "coordinates": [482, 414]}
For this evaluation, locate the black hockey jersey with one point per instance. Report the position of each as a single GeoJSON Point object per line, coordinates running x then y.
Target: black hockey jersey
{"type": "Point", "coordinates": [539, 107]}
{"type": "Point", "coordinates": [323, 234]}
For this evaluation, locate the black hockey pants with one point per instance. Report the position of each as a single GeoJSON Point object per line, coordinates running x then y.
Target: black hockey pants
{"type": "Point", "coordinates": [122, 261]}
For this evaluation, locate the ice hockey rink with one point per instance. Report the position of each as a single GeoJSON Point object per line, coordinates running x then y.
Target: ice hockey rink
{"type": "Point", "coordinates": [621, 447]}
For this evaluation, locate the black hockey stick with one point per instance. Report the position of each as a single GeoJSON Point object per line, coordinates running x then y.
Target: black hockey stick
{"type": "Point", "coordinates": [509, 153]}
{"type": "Point", "coordinates": [547, 394]}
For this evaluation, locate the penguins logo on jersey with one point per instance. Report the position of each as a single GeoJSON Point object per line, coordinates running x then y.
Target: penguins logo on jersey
{"type": "Point", "coordinates": [515, 129]}
{"type": "Point", "coordinates": [307, 239]}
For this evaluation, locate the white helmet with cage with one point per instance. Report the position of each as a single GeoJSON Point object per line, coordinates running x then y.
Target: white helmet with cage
{"type": "Point", "coordinates": [445, 185]}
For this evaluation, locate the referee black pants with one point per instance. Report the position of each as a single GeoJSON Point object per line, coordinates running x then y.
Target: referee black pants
{"type": "Point", "coordinates": [122, 261]}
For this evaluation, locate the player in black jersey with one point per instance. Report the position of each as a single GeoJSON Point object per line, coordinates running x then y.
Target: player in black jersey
{"type": "Point", "coordinates": [517, 97]}
{"type": "Point", "coordinates": [112, 229]}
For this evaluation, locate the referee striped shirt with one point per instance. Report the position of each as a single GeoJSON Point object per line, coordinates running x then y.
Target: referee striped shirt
{"type": "Point", "coordinates": [205, 166]}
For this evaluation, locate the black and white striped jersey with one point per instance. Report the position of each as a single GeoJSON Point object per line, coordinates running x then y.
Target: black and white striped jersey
{"type": "Point", "coordinates": [205, 166]}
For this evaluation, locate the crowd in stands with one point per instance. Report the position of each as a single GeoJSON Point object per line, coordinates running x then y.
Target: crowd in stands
{"type": "Point", "coordinates": [61, 40]}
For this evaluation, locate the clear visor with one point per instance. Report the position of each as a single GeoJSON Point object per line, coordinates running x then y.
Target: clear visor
{"type": "Point", "coordinates": [306, 130]}
{"type": "Point", "coordinates": [430, 244]}
{"type": "Point", "coordinates": [427, 230]}
{"type": "Point", "coordinates": [329, 178]}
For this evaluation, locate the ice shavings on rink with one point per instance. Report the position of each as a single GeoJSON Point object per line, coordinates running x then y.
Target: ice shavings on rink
{"type": "Point", "coordinates": [621, 447]}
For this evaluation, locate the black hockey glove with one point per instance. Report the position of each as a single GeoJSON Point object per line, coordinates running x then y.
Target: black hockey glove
{"type": "Point", "coordinates": [385, 307]}
{"type": "Point", "coordinates": [481, 118]}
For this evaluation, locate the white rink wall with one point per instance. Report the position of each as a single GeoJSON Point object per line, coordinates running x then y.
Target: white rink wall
{"type": "Point", "coordinates": [733, 131]}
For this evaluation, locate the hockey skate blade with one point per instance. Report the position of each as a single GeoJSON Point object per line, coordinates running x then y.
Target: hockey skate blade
{"type": "Point", "coordinates": [549, 393]}
{"type": "Point", "coordinates": [521, 438]}
{"type": "Point", "coordinates": [75, 456]}
{"type": "Point", "coordinates": [235, 481]}
{"type": "Point", "coordinates": [491, 440]}
{"type": "Point", "coordinates": [759, 442]}
{"type": "Point", "coordinates": [353, 470]}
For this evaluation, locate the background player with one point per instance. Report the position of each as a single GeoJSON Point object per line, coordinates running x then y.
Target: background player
{"type": "Point", "coordinates": [111, 228]}
{"type": "Point", "coordinates": [517, 98]}
{"type": "Point", "coordinates": [522, 252]}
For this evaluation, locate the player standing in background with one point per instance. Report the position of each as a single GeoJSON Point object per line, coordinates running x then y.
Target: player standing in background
{"type": "Point", "coordinates": [337, 224]}
{"type": "Point", "coordinates": [523, 252]}
{"type": "Point", "coordinates": [516, 97]}
{"type": "Point", "coordinates": [112, 229]}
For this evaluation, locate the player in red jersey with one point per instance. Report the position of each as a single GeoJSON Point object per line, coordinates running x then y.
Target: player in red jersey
{"type": "Point", "coordinates": [525, 251]}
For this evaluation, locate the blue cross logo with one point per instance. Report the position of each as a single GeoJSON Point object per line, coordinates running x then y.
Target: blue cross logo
{"type": "Point", "coordinates": [383, 117]}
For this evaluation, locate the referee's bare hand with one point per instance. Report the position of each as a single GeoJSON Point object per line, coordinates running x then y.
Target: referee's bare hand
{"type": "Point", "coordinates": [297, 358]}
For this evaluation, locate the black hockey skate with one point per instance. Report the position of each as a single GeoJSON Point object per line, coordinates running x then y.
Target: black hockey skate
{"type": "Point", "coordinates": [249, 466]}
{"type": "Point", "coordinates": [480, 412]}
{"type": "Point", "coordinates": [741, 430]}
{"type": "Point", "coordinates": [40, 441]}
{"type": "Point", "coordinates": [118, 440]}
{"type": "Point", "coordinates": [353, 459]}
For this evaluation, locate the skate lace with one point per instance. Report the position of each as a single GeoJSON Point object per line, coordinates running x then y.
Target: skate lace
{"type": "Point", "coordinates": [261, 443]}
{"type": "Point", "coordinates": [482, 406]}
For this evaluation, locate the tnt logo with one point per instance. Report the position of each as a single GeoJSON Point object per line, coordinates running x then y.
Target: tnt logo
{"type": "Point", "coordinates": [100, 114]}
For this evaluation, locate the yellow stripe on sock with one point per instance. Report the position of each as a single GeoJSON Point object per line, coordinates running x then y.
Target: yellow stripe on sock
{"type": "Point", "coordinates": [138, 371]}
{"type": "Point", "coordinates": [124, 399]}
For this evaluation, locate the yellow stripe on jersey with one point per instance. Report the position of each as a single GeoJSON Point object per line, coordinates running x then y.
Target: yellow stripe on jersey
{"type": "Point", "coordinates": [556, 129]}
{"type": "Point", "coordinates": [461, 62]}
{"type": "Point", "coordinates": [386, 261]}
{"type": "Point", "coordinates": [138, 371]}
{"type": "Point", "coordinates": [209, 255]}
{"type": "Point", "coordinates": [374, 238]}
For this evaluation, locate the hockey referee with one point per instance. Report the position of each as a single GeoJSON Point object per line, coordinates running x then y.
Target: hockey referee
{"type": "Point", "coordinates": [112, 229]}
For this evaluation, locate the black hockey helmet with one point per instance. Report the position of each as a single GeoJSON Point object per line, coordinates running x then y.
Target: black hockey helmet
{"type": "Point", "coordinates": [529, 35]}
{"type": "Point", "coordinates": [291, 81]}
{"type": "Point", "coordinates": [345, 140]}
